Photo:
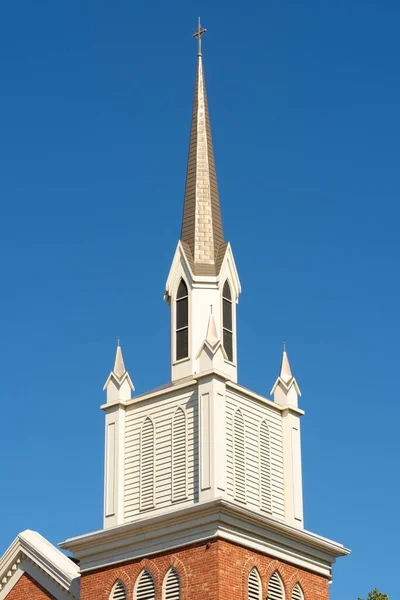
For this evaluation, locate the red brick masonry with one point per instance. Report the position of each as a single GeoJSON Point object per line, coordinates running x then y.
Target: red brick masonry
{"type": "Point", "coordinates": [215, 571]}
{"type": "Point", "coordinates": [27, 588]}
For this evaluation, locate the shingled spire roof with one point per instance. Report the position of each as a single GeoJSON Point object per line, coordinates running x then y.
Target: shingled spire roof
{"type": "Point", "coordinates": [202, 235]}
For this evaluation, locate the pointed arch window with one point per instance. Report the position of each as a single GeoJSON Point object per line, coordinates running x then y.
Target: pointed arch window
{"type": "Point", "coordinates": [172, 586]}
{"type": "Point", "coordinates": [227, 320]}
{"type": "Point", "coordinates": [265, 468]}
{"type": "Point", "coordinates": [182, 321]}
{"type": "Point", "coordinates": [239, 458]}
{"type": "Point", "coordinates": [179, 436]}
{"type": "Point", "coordinates": [254, 585]}
{"type": "Point", "coordinates": [147, 467]}
{"type": "Point", "coordinates": [145, 588]}
{"type": "Point", "coordinates": [297, 593]}
{"type": "Point", "coordinates": [276, 590]}
{"type": "Point", "coordinates": [118, 591]}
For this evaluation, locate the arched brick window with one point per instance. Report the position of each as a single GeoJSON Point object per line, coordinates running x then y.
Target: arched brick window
{"type": "Point", "coordinates": [118, 591]}
{"type": "Point", "coordinates": [254, 585]}
{"type": "Point", "coordinates": [172, 586]}
{"type": "Point", "coordinates": [145, 588]}
{"type": "Point", "coordinates": [276, 591]}
{"type": "Point", "coordinates": [297, 593]}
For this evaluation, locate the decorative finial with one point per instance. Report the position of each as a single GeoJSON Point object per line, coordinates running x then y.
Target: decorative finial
{"type": "Point", "coordinates": [119, 341]}
{"type": "Point", "coordinates": [211, 309]}
{"type": "Point", "coordinates": [199, 34]}
{"type": "Point", "coordinates": [284, 346]}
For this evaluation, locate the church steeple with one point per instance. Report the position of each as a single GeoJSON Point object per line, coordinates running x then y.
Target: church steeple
{"type": "Point", "coordinates": [202, 235]}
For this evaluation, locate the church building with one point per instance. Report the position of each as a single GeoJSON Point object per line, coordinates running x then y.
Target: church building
{"type": "Point", "coordinates": [202, 479]}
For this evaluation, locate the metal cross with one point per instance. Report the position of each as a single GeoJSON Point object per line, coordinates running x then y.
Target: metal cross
{"type": "Point", "coordinates": [199, 34]}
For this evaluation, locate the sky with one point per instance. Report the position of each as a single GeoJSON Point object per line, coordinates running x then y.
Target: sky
{"type": "Point", "coordinates": [95, 111]}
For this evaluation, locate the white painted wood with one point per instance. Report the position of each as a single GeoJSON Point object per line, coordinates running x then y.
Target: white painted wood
{"type": "Point", "coordinates": [114, 465]}
{"type": "Point", "coordinates": [171, 586]}
{"type": "Point", "coordinates": [298, 505]}
{"type": "Point", "coordinates": [205, 441]}
{"type": "Point", "coordinates": [179, 455]}
{"type": "Point", "coordinates": [220, 439]}
{"type": "Point", "coordinates": [254, 585]}
{"type": "Point", "coordinates": [145, 588]}
{"type": "Point", "coordinates": [147, 465]}
{"type": "Point", "coordinates": [265, 467]}
{"type": "Point", "coordinates": [239, 457]}
{"type": "Point", "coordinates": [110, 474]}
{"type": "Point", "coordinates": [276, 591]}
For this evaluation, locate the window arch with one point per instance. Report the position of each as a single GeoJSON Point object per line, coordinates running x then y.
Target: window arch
{"type": "Point", "coordinates": [265, 467]}
{"type": "Point", "coordinates": [297, 593]}
{"type": "Point", "coordinates": [179, 437]}
{"type": "Point", "coordinates": [145, 588]}
{"type": "Point", "coordinates": [227, 320]}
{"type": "Point", "coordinates": [147, 467]}
{"type": "Point", "coordinates": [239, 458]}
{"type": "Point", "coordinates": [254, 585]}
{"type": "Point", "coordinates": [118, 591]}
{"type": "Point", "coordinates": [276, 590]}
{"type": "Point", "coordinates": [172, 586]}
{"type": "Point", "coordinates": [182, 321]}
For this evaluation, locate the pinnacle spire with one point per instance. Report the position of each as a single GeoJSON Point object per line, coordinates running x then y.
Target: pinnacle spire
{"type": "Point", "coordinates": [119, 367]}
{"type": "Point", "coordinates": [202, 235]}
{"type": "Point", "coordinates": [285, 373]}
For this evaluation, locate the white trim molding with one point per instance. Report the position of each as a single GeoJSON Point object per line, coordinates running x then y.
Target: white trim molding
{"type": "Point", "coordinates": [216, 519]}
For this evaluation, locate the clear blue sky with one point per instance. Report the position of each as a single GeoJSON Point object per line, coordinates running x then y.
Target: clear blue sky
{"type": "Point", "coordinates": [95, 110]}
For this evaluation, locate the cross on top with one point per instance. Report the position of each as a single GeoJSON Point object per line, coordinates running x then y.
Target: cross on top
{"type": "Point", "coordinates": [199, 34]}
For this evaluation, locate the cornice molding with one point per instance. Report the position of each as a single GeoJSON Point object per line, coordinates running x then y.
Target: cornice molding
{"type": "Point", "coordinates": [216, 519]}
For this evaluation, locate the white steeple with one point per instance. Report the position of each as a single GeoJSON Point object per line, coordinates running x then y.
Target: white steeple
{"type": "Point", "coordinates": [118, 385]}
{"type": "Point", "coordinates": [203, 261]}
{"type": "Point", "coordinates": [285, 389]}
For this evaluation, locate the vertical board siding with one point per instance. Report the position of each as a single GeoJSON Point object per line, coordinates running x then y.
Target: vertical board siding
{"type": "Point", "coordinates": [161, 410]}
{"type": "Point", "coordinates": [179, 457]}
{"type": "Point", "coordinates": [265, 468]}
{"type": "Point", "coordinates": [254, 413]}
{"type": "Point", "coordinates": [239, 457]}
{"type": "Point", "coordinates": [172, 586]}
{"type": "Point", "coordinates": [147, 467]}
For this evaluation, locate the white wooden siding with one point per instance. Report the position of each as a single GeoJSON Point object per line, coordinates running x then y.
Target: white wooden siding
{"type": "Point", "coordinates": [265, 467]}
{"type": "Point", "coordinates": [179, 455]}
{"type": "Point", "coordinates": [147, 464]}
{"type": "Point", "coordinates": [254, 412]}
{"type": "Point", "coordinates": [161, 410]}
{"type": "Point", "coordinates": [239, 457]}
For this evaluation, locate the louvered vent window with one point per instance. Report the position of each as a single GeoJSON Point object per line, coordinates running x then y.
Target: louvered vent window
{"type": "Point", "coordinates": [179, 455]}
{"type": "Point", "coordinates": [265, 468]}
{"type": "Point", "coordinates": [275, 588]}
{"type": "Point", "coordinates": [297, 593]}
{"type": "Point", "coordinates": [172, 586]}
{"type": "Point", "coordinates": [227, 321]}
{"type": "Point", "coordinates": [182, 321]}
{"type": "Point", "coordinates": [118, 592]}
{"type": "Point", "coordinates": [147, 465]}
{"type": "Point", "coordinates": [145, 588]}
{"type": "Point", "coordinates": [239, 460]}
{"type": "Point", "coordinates": [254, 585]}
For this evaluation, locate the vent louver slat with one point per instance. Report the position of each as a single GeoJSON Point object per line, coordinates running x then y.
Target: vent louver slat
{"type": "Point", "coordinates": [119, 592]}
{"type": "Point", "coordinates": [179, 456]}
{"type": "Point", "coordinates": [297, 593]}
{"type": "Point", "coordinates": [145, 589]}
{"type": "Point", "coordinates": [172, 586]}
{"type": "Point", "coordinates": [239, 464]}
{"type": "Point", "coordinates": [275, 588]}
{"type": "Point", "coordinates": [147, 465]}
{"type": "Point", "coordinates": [254, 585]}
{"type": "Point", "coordinates": [265, 468]}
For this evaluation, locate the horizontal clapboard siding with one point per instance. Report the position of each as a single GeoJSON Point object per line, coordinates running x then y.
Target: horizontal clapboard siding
{"type": "Point", "coordinates": [254, 413]}
{"type": "Point", "coordinates": [161, 411]}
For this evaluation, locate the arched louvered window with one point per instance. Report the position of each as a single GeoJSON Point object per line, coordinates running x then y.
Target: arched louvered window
{"type": "Point", "coordinates": [147, 466]}
{"type": "Point", "coordinates": [182, 321]}
{"type": "Point", "coordinates": [145, 588]}
{"type": "Point", "coordinates": [265, 468]}
{"type": "Point", "coordinates": [179, 455]}
{"type": "Point", "coordinates": [254, 585]}
{"type": "Point", "coordinates": [239, 458]}
{"type": "Point", "coordinates": [227, 320]}
{"type": "Point", "coordinates": [297, 593]}
{"type": "Point", "coordinates": [276, 590]}
{"type": "Point", "coordinates": [118, 592]}
{"type": "Point", "coordinates": [172, 588]}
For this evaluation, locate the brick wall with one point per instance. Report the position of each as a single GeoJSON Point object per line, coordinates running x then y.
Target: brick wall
{"type": "Point", "coordinates": [27, 588]}
{"type": "Point", "coordinates": [214, 571]}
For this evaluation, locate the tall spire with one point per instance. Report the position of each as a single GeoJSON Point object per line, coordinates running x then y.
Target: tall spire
{"type": "Point", "coordinates": [202, 235]}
